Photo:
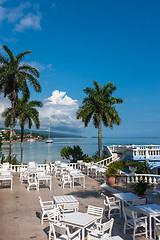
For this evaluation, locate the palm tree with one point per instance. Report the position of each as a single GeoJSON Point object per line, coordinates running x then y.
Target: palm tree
{"type": "Point", "coordinates": [14, 77]}
{"type": "Point", "coordinates": [100, 105]}
{"type": "Point", "coordinates": [26, 113]}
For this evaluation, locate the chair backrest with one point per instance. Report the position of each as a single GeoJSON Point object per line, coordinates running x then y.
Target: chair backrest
{"type": "Point", "coordinates": [107, 227]}
{"type": "Point", "coordinates": [5, 165]}
{"type": "Point", "coordinates": [40, 201]}
{"type": "Point", "coordinates": [137, 202]}
{"type": "Point", "coordinates": [54, 215]}
{"type": "Point", "coordinates": [129, 214]}
{"type": "Point", "coordinates": [97, 211]}
{"type": "Point", "coordinates": [32, 178]}
{"type": "Point", "coordinates": [157, 226]}
{"type": "Point", "coordinates": [62, 230]}
{"type": "Point", "coordinates": [108, 201]}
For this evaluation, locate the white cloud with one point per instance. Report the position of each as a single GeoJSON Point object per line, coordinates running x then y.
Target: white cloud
{"type": "Point", "coordinates": [29, 21]}
{"type": "Point", "coordinates": [60, 98]}
{"type": "Point", "coordinates": [59, 111]}
{"type": "Point", "coordinates": [4, 104]}
{"type": "Point", "coordinates": [39, 66]}
{"type": "Point", "coordinates": [14, 14]}
{"type": "Point", "coordinates": [3, 13]}
{"type": "Point", "coordinates": [24, 16]}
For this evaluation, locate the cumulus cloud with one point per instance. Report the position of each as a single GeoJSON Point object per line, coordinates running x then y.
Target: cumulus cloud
{"type": "Point", "coordinates": [4, 103]}
{"type": "Point", "coordinates": [59, 111]}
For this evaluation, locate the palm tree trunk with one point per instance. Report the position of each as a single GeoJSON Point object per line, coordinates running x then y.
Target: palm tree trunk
{"type": "Point", "coordinates": [13, 102]}
{"type": "Point", "coordinates": [100, 139]}
{"type": "Point", "coordinates": [22, 134]}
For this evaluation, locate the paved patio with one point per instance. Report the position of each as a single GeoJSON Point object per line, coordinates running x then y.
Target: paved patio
{"type": "Point", "coordinates": [20, 209]}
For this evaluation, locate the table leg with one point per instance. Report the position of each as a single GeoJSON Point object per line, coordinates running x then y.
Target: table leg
{"type": "Point", "coordinates": [83, 233]}
{"type": "Point", "coordinates": [38, 185]}
{"type": "Point", "coordinates": [50, 183]}
{"type": "Point", "coordinates": [150, 227]}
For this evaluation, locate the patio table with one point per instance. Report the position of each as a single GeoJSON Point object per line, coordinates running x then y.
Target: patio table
{"type": "Point", "coordinates": [151, 210]}
{"type": "Point", "coordinates": [112, 238]}
{"type": "Point", "coordinates": [125, 197]}
{"type": "Point", "coordinates": [46, 178]}
{"type": "Point", "coordinates": [80, 220]}
{"type": "Point", "coordinates": [79, 176]}
{"type": "Point", "coordinates": [64, 199]}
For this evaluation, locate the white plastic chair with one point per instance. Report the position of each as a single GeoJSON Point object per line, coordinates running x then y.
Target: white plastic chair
{"type": "Point", "coordinates": [100, 231]}
{"type": "Point", "coordinates": [46, 206]}
{"type": "Point", "coordinates": [61, 232]}
{"type": "Point", "coordinates": [157, 227]}
{"type": "Point", "coordinates": [110, 203]}
{"type": "Point", "coordinates": [54, 215]}
{"type": "Point", "coordinates": [133, 222]}
{"type": "Point", "coordinates": [66, 179]}
{"type": "Point", "coordinates": [96, 211]}
{"type": "Point", "coordinates": [32, 181]}
{"type": "Point", "coordinates": [69, 207]}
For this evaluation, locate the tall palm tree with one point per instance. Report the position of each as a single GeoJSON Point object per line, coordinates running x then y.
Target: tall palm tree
{"type": "Point", "coordinates": [26, 113]}
{"type": "Point", "coordinates": [14, 77]}
{"type": "Point", "coordinates": [100, 105]}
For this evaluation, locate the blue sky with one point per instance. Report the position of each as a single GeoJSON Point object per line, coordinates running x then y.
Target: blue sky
{"type": "Point", "coordinates": [74, 42]}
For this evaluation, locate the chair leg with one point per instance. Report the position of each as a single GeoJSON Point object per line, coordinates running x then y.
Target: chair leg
{"type": "Point", "coordinates": [109, 213]}
{"type": "Point", "coordinates": [124, 229]}
{"type": "Point", "coordinates": [134, 233]}
{"type": "Point", "coordinates": [42, 218]}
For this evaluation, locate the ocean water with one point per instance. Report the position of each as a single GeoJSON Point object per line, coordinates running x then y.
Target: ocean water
{"type": "Point", "coordinates": [40, 151]}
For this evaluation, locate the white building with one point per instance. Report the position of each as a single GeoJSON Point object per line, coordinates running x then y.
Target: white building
{"type": "Point", "coordinates": [151, 153]}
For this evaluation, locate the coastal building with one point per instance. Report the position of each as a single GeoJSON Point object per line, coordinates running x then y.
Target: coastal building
{"type": "Point", "coordinates": [151, 153]}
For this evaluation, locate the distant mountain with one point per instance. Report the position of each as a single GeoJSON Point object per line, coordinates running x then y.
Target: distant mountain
{"type": "Point", "coordinates": [54, 135]}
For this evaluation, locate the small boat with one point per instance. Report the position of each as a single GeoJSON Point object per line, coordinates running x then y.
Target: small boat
{"type": "Point", "coordinates": [49, 141]}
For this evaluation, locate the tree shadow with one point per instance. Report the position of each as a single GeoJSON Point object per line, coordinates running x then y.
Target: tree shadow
{"type": "Point", "coordinates": [86, 193]}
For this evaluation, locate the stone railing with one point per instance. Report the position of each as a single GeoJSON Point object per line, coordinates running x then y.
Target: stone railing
{"type": "Point", "coordinates": [43, 167]}
{"type": "Point", "coordinates": [150, 178]}
{"type": "Point", "coordinates": [105, 162]}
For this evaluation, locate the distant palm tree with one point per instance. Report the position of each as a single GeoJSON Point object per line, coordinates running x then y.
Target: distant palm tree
{"type": "Point", "coordinates": [100, 104]}
{"type": "Point", "coordinates": [13, 78]}
{"type": "Point", "coordinates": [26, 113]}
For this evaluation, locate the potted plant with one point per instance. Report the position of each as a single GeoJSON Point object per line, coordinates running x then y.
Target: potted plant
{"type": "Point", "coordinates": [140, 188]}
{"type": "Point", "coordinates": [112, 170]}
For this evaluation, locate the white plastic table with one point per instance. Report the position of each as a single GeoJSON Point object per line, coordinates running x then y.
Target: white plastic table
{"type": "Point", "coordinates": [125, 196]}
{"type": "Point", "coordinates": [113, 238]}
{"type": "Point", "coordinates": [151, 210]}
{"type": "Point", "coordinates": [80, 220]}
{"type": "Point", "coordinates": [79, 176]}
{"type": "Point", "coordinates": [64, 199]}
{"type": "Point", "coordinates": [46, 178]}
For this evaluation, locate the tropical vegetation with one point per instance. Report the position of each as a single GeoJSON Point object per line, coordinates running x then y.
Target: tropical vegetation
{"type": "Point", "coordinates": [141, 186]}
{"type": "Point", "coordinates": [72, 154]}
{"type": "Point", "coordinates": [14, 77]}
{"type": "Point", "coordinates": [26, 112]}
{"type": "Point", "coordinates": [114, 167]}
{"type": "Point", "coordinates": [99, 105]}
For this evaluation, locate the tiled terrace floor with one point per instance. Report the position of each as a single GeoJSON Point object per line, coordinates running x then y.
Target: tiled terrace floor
{"type": "Point", "coordinates": [19, 209]}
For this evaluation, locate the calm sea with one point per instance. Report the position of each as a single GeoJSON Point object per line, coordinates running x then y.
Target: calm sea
{"type": "Point", "coordinates": [40, 151]}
